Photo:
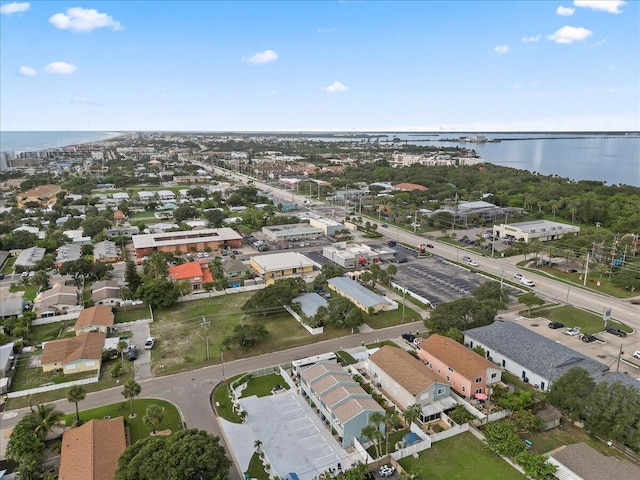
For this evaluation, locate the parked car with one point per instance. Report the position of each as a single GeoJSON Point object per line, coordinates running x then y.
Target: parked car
{"type": "Point", "coordinates": [391, 243]}
{"type": "Point", "coordinates": [636, 354]}
{"type": "Point", "coordinates": [409, 337]}
{"type": "Point", "coordinates": [589, 338]}
{"type": "Point", "coordinates": [518, 276]}
{"type": "Point", "coordinates": [327, 295]}
{"type": "Point", "coordinates": [573, 331]}
{"type": "Point", "coordinates": [132, 354]}
{"type": "Point", "coordinates": [473, 263]}
{"type": "Point", "coordinates": [429, 245]}
{"type": "Point", "coordinates": [384, 225]}
{"type": "Point", "coordinates": [617, 332]}
{"type": "Point", "coordinates": [149, 343]}
{"type": "Point", "coordinates": [572, 270]}
{"type": "Point", "coordinates": [401, 260]}
{"type": "Point", "coordinates": [236, 252]}
{"type": "Point", "coordinates": [556, 325]}
{"type": "Point", "coordinates": [1, 276]}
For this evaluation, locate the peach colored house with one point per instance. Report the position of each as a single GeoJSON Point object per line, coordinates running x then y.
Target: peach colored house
{"type": "Point", "coordinates": [91, 451]}
{"type": "Point", "coordinates": [468, 373]}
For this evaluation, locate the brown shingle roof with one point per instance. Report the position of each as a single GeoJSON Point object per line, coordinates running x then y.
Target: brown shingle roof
{"type": "Point", "coordinates": [457, 356]}
{"type": "Point", "coordinates": [42, 191]}
{"type": "Point", "coordinates": [58, 295]}
{"type": "Point", "coordinates": [410, 186]}
{"type": "Point", "coordinates": [91, 452]}
{"type": "Point", "coordinates": [413, 375]}
{"type": "Point", "coordinates": [99, 315]}
{"type": "Point", "coordinates": [86, 346]}
{"type": "Point", "coordinates": [592, 465]}
{"type": "Point", "coordinates": [354, 406]}
{"type": "Point", "coordinates": [318, 369]}
{"type": "Point", "coordinates": [336, 394]}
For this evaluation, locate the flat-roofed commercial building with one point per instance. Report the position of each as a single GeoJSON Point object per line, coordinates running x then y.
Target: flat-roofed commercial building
{"type": "Point", "coordinates": [186, 241]}
{"type": "Point", "coordinates": [292, 232]}
{"type": "Point", "coordinates": [29, 257]}
{"type": "Point", "coordinates": [349, 256]}
{"type": "Point", "coordinates": [280, 265]}
{"type": "Point", "coordinates": [327, 225]}
{"type": "Point", "coordinates": [542, 230]}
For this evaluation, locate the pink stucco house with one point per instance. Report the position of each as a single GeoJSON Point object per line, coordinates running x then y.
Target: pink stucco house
{"type": "Point", "coordinates": [468, 373]}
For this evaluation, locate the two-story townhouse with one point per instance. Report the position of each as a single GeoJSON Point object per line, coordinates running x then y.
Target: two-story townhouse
{"type": "Point", "coordinates": [468, 373]}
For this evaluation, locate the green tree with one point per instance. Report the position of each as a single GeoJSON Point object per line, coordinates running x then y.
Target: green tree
{"type": "Point", "coordinates": [158, 292]}
{"type": "Point", "coordinates": [491, 290]}
{"type": "Point", "coordinates": [24, 444]}
{"type": "Point", "coordinates": [570, 391]}
{"type": "Point", "coordinates": [503, 439]}
{"type": "Point", "coordinates": [76, 394]}
{"type": "Point", "coordinates": [131, 276]}
{"type": "Point", "coordinates": [460, 314]}
{"type": "Point", "coordinates": [156, 266]}
{"type": "Point", "coordinates": [43, 419]}
{"type": "Point", "coordinates": [529, 300]}
{"type": "Point", "coordinates": [524, 421]}
{"type": "Point", "coordinates": [246, 334]}
{"type": "Point", "coordinates": [187, 454]}
{"type": "Point", "coordinates": [412, 413]}
{"type": "Point", "coordinates": [184, 212]}
{"type": "Point", "coordinates": [94, 225]}
{"type": "Point", "coordinates": [153, 416]}
{"type": "Point", "coordinates": [536, 466]}
{"type": "Point", "coordinates": [130, 391]}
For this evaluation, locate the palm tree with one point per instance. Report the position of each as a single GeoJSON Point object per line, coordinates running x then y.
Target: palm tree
{"type": "Point", "coordinates": [257, 445]}
{"type": "Point", "coordinates": [392, 269]}
{"type": "Point", "coordinates": [391, 419]}
{"type": "Point", "coordinates": [412, 413]}
{"type": "Point", "coordinates": [76, 394]}
{"type": "Point", "coordinates": [43, 419]}
{"type": "Point", "coordinates": [122, 346]}
{"type": "Point", "coordinates": [153, 416]}
{"type": "Point", "coordinates": [131, 390]}
{"type": "Point", "coordinates": [156, 266]}
{"type": "Point", "coordinates": [371, 433]}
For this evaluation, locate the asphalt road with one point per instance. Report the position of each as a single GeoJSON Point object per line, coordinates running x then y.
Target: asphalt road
{"type": "Point", "coordinates": [191, 391]}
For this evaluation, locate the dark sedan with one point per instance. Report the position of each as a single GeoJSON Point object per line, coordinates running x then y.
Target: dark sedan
{"type": "Point", "coordinates": [617, 332]}
{"type": "Point", "coordinates": [556, 325]}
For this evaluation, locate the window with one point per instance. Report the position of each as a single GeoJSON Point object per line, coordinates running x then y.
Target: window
{"type": "Point", "coordinates": [464, 389]}
{"type": "Point", "coordinates": [478, 390]}
{"type": "Point", "coordinates": [479, 380]}
{"type": "Point", "coordinates": [440, 391]}
{"type": "Point", "coordinates": [504, 363]}
{"type": "Point", "coordinates": [494, 375]}
{"type": "Point", "coordinates": [439, 371]}
{"type": "Point", "coordinates": [448, 379]}
{"type": "Point", "coordinates": [450, 369]}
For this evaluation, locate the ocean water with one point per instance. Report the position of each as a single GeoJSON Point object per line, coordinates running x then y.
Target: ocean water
{"type": "Point", "coordinates": [32, 141]}
{"type": "Point", "coordinates": [612, 158]}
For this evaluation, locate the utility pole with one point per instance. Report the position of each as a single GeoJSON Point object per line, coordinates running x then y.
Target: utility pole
{"type": "Point", "coordinates": [206, 324]}
{"type": "Point", "coordinates": [403, 295]}
{"type": "Point", "coordinates": [415, 221]}
{"type": "Point", "coordinates": [619, 355]}
{"type": "Point", "coordinates": [222, 362]}
{"type": "Point", "coordinates": [586, 270]}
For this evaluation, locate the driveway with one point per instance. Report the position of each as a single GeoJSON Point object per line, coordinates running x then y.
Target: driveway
{"type": "Point", "coordinates": [293, 437]}
{"type": "Point", "coordinates": [140, 332]}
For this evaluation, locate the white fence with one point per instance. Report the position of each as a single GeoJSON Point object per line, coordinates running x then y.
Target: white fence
{"type": "Point", "coordinates": [417, 447]}
{"type": "Point", "coordinates": [455, 430]}
{"type": "Point", "coordinates": [57, 386]}
{"type": "Point", "coordinates": [56, 318]}
{"type": "Point", "coordinates": [411, 294]}
{"type": "Point", "coordinates": [362, 451]}
{"type": "Point", "coordinates": [219, 293]}
{"type": "Point", "coordinates": [311, 330]}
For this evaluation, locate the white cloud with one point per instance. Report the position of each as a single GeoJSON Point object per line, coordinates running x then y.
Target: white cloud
{"type": "Point", "coordinates": [26, 71]}
{"type": "Point", "coordinates": [270, 93]}
{"type": "Point", "coordinates": [519, 86]}
{"type": "Point", "coordinates": [610, 6]}
{"type": "Point", "coordinates": [78, 19]}
{"type": "Point", "coordinates": [335, 87]}
{"type": "Point", "coordinates": [565, 11]}
{"type": "Point", "coordinates": [568, 35]}
{"type": "Point", "coordinates": [326, 30]}
{"type": "Point", "coordinates": [535, 38]}
{"type": "Point", "coordinates": [501, 49]}
{"type": "Point", "coordinates": [85, 101]}
{"type": "Point", "coordinates": [60, 68]}
{"type": "Point", "coordinates": [262, 57]}
{"type": "Point", "coordinates": [600, 42]}
{"type": "Point", "coordinates": [15, 7]}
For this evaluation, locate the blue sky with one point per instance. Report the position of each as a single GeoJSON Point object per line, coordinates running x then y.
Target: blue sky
{"type": "Point", "coordinates": [326, 65]}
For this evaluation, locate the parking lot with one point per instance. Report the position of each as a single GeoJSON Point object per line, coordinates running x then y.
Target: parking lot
{"type": "Point", "coordinates": [436, 280]}
{"type": "Point", "coordinates": [293, 437]}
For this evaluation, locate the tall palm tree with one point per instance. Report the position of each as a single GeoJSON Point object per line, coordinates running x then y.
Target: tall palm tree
{"type": "Point", "coordinates": [391, 419]}
{"type": "Point", "coordinates": [412, 413]}
{"type": "Point", "coordinates": [76, 394]}
{"type": "Point", "coordinates": [130, 391]}
{"type": "Point", "coordinates": [153, 416]}
{"type": "Point", "coordinates": [371, 433]}
{"type": "Point", "coordinates": [122, 346]}
{"type": "Point", "coordinates": [43, 419]}
{"type": "Point", "coordinates": [156, 266]}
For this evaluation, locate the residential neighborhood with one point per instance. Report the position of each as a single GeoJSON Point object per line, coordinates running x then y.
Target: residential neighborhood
{"type": "Point", "coordinates": [329, 327]}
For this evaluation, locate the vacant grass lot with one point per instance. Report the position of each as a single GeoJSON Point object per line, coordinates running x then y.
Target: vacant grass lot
{"type": "Point", "coordinates": [50, 331]}
{"type": "Point", "coordinates": [575, 317]}
{"type": "Point", "coordinates": [137, 429]}
{"type": "Point", "coordinates": [462, 457]}
{"type": "Point", "coordinates": [605, 286]}
{"type": "Point", "coordinates": [181, 336]}
{"type": "Point", "coordinates": [131, 314]}
{"type": "Point", "coordinates": [391, 318]}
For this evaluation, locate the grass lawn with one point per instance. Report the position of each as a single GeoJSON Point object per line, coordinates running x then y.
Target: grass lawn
{"type": "Point", "coordinates": [605, 286]}
{"type": "Point", "coordinates": [380, 344]}
{"type": "Point", "coordinates": [393, 439]}
{"type": "Point", "coordinates": [105, 381]}
{"type": "Point", "coordinates": [27, 378]}
{"type": "Point", "coordinates": [181, 342]}
{"type": "Point", "coordinates": [575, 317]}
{"type": "Point", "coordinates": [222, 403]}
{"type": "Point", "coordinates": [137, 429]}
{"type": "Point", "coordinates": [131, 314]}
{"type": "Point", "coordinates": [568, 434]}
{"type": "Point", "coordinates": [8, 267]}
{"type": "Point", "coordinates": [50, 331]}
{"type": "Point", "coordinates": [262, 386]}
{"type": "Point", "coordinates": [391, 318]}
{"type": "Point", "coordinates": [461, 457]}
{"type": "Point", "coordinates": [345, 358]}
{"type": "Point", "coordinates": [256, 470]}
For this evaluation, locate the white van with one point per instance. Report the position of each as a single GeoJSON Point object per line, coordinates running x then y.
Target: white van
{"type": "Point", "coordinates": [527, 282]}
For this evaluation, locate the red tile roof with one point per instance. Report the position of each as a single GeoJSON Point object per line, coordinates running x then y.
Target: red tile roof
{"type": "Point", "coordinates": [99, 316]}
{"type": "Point", "coordinates": [191, 270]}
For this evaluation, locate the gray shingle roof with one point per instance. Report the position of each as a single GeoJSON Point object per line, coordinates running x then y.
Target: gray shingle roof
{"type": "Point", "coordinates": [620, 377]}
{"type": "Point", "coordinates": [310, 302]}
{"type": "Point", "coordinates": [531, 350]}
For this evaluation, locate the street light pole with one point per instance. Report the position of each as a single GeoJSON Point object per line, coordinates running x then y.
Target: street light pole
{"type": "Point", "coordinates": [205, 324]}
{"type": "Point", "coordinates": [222, 362]}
